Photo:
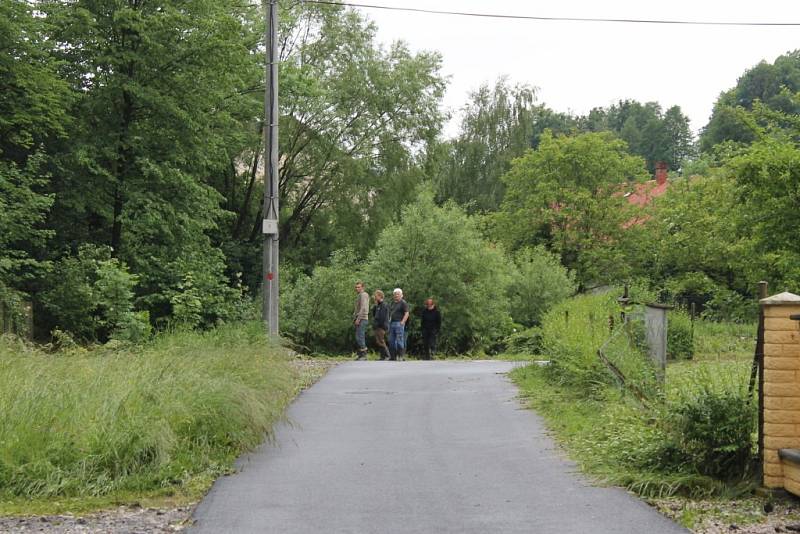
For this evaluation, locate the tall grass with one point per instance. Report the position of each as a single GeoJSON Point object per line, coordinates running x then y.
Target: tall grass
{"type": "Point", "coordinates": [718, 341]}
{"type": "Point", "coordinates": [694, 435]}
{"type": "Point", "coordinates": [90, 423]}
{"type": "Point", "coordinates": [572, 334]}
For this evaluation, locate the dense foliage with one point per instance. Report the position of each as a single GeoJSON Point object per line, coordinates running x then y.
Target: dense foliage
{"type": "Point", "coordinates": [771, 85]}
{"type": "Point", "coordinates": [568, 195]}
{"type": "Point", "coordinates": [134, 129]}
{"type": "Point", "coordinates": [432, 252]}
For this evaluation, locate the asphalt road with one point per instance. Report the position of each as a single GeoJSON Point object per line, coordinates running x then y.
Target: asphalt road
{"type": "Point", "coordinates": [416, 447]}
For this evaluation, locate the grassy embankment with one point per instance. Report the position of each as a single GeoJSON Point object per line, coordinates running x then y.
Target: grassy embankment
{"type": "Point", "coordinates": [689, 436]}
{"type": "Point", "coordinates": [88, 429]}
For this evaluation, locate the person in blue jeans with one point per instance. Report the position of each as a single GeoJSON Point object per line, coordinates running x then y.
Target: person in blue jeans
{"type": "Point", "coordinates": [398, 317]}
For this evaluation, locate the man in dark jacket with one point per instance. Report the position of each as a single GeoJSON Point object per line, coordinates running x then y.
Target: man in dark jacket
{"type": "Point", "coordinates": [380, 324]}
{"type": "Point", "coordinates": [431, 324]}
{"type": "Point", "coordinates": [398, 317]}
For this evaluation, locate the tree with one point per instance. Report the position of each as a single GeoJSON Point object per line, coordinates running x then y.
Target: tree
{"type": "Point", "coordinates": [679, 137]}
{"type": "Point", "coordinates": [316, 309]}
{"type": "Point", "coordinates": [158, 89]}
{"type": "Point", "coordinates": [32, 111]}
{"type": "Point", "coordinates": [682, 246]}
{"type": "Point", "coordinates": [357, 120]}
{"type": "Point", "coordinates": [498, 125]}
{"type": "Point", "coordinates": [768, 179]}
{"type": "Point", "coordinates": [649, 132]}
{"type": "Point", "coordinates": [567, 196]}
{"type": "Point", "coordinates": [772, 85]}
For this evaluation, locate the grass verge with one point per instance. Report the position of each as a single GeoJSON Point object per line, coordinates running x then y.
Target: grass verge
{"type": "Point", "coordinates": [89, 429]}
{"type": "Point", "coordinates": [608, 437]}
{"type": "Point", "coordinates": [689, 448]}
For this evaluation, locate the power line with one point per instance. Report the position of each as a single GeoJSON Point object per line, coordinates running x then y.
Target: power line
{"type": "Point", "coordinates": [548, 19]}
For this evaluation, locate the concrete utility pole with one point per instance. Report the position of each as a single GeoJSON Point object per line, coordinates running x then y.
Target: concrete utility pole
{"type": "Point", "coordinates": [270, 210]}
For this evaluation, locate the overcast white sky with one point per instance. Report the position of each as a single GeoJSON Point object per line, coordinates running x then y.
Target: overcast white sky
{"type": "Point", "coordinates": [581, 65]}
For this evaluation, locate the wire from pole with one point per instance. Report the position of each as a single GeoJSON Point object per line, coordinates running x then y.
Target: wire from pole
{"type": "Point", "coordinates": [550, 19]}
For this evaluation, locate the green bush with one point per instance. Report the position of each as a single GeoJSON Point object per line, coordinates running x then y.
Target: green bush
{"type": "Point", "coordinates": [727, 305]}
{"type": "Point", "coordinates": [432, 252]}
{"type": "Point", "coordinates": [539, 283]}
{"type": "Point", "coordinates": [680, 335]}
{"type": "Point", "coordinates": [691, 288]}
{"type": "Point", "coordinates": [712, 423]}
{"type": "Point", "coordinates": [12, 304]}
{"type": "Point", "coordinates": [438, 251]}
{"type": "Point", "coordinates": [317, 310]}
{"type": "Point", "coordinates": [527, 341]}
{"type": "Point", "coordinates": [92, 296]}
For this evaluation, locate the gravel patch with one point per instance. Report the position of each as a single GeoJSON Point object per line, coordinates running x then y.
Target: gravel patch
{"type": "Point", "coordinates": [122, 520]}
{"type": "Point", "coordinates": [754, 515]}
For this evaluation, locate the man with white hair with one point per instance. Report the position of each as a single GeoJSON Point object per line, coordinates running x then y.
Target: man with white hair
{"type": "Point", "coordinates": [397, 325]}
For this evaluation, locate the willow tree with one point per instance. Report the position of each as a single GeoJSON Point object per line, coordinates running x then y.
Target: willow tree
{"type": "Point", "coordinates": [356, 121]}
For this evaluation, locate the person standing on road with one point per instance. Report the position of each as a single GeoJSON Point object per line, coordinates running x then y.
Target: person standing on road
{"type": "Point", "coordinates": [380, 324]}
{"type": "Point", "coordinates": [360, 319]}
{"type": "Point", "coordinates": [397, 325]}
{"type": "Point", "coordinates": [431, 324]}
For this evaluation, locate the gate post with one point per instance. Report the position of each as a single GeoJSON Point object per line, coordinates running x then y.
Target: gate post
{"type": "Point", "coordinates": [656, 333]}
{"type": "Point", "coordinates": [781, 391]}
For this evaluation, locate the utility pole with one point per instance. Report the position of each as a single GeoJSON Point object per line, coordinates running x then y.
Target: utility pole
{"type": "Point", "coordinates": [270, 209]}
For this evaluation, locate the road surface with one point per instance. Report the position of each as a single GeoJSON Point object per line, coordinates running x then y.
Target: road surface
{"type": "Point", "coordinates": [416, 447]}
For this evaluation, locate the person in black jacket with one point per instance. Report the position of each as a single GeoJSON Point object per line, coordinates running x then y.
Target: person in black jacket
{"type": "Point", "coordinates": [431, 324]}
{"type": "Point", "coordinates": [380, 324]}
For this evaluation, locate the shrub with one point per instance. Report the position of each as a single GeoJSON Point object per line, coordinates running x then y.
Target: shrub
{"type": "Point", "coordinates": [527, 341]}
{"type": "Point", "coordinates": [539, 283]}
{"type": "Point", "coordinates": [91, 295]}
{"type": "Point", "coordinates": [713, 422]}
{"type": "Point", "coordinates": [12, 304]}
{"type": "Point", "coordinates": [198, 294]}
{"type": "Point", "coordinates": [316, 311]}
{"type": "Point", "coordinates": [727, 305]}
{"type": "Point", "coordinates": [187, 304]}
{"type": "Point", "coordinates": [680, 335]}
{"type": "Point", "coordinates": [691, 288]}
{"type": "Point", "coordinates": [437, 251]}
{"type": "Point", "coordinates": [714, 431]}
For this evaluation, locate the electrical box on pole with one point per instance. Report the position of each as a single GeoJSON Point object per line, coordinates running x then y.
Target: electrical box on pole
{"type": "Point", "coordinates": [270, 281]}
